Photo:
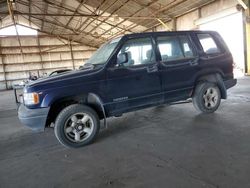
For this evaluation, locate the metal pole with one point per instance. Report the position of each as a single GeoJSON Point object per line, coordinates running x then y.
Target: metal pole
{"type": "Point", "coordinates": [39, 47]}
{"type": "Point", "coordinates": [4, 72]}
{"type": "Point", "coordinates": [72, 55]}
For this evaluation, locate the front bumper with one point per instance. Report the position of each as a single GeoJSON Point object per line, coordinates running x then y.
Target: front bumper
{"type": "Point", "coordinates": [230, 83]}
{"type": "Point", "coordinates": [33, 118]}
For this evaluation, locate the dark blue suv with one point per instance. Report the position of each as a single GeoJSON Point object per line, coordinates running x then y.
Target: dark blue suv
{"type": "Point", "coordinates": [130, 73]}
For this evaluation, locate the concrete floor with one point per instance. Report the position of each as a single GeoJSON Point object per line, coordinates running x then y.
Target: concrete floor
{"type": "Point", "coordinates": [171, 146]}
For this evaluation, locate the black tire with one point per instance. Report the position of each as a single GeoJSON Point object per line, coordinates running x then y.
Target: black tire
{"type": "Point", "coordinates": [203, 99]}
{"type": "Point", "coordinates": [64, 122]}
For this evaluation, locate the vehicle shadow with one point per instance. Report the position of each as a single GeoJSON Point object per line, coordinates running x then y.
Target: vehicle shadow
{"type": "Point", "coordinates": [130, 121]}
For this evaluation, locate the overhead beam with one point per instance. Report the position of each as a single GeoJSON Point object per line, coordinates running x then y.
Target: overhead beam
{"type": "Point", "coordinates": [82, 15]}
{"type": "Point", "coordinates": [95, 12]}
{"type": "Point", "coordinates": [66, 9]}
{"type": "Point", "coordinates": [63, 36]}
{"type": "Point", "coordinates": [94, 18]}
{"type": "Point", "coordinates": [126, 19]}
{"type": "Point", "coordinates": [244, 4]}
{"type": "Point", "coordinates": [183, 13]}
{"type": "Point", "coordinates": [110, 16]}
{"type": "Point", "coordinates": [133, 15]}
{"type": "Point", "coordinates": [75, 33]}
{"type": "Point", "coordinates": [75, 12]}
{"type": "Point", "coordinates": [62, 26]}
{"type": "Point", "coordinates": [164, 8]}
{"type": "Point", "coordinates": [165, 25]}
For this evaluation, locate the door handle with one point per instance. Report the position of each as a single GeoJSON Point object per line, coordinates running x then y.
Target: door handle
{"type": "Point", "coordinates": [153, 68]}
{"type": "Point", "coordinates": [194, 63]}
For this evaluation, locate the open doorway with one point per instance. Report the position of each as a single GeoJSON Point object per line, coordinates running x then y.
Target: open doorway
{"type": "Point", "coordinates": [231, 29]}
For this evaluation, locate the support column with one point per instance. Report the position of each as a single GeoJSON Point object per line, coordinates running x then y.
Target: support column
{"type": "Point", "coordinates": [40, 53]}
{"type": "Point", "coordinates": [247, 36]}
{"type": "Point", "coordinates": [72, 55]}
{"type": "Point", "coordinates": [248, 43]}
{"type": "Point", "coordinates": [4, 72]}
{"type": "Point", "coordinates": [174, 24]}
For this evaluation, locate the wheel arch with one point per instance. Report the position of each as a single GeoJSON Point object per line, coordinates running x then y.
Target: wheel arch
{"type": "Point", "coordinates": [92, 100]}
{"type": "Point", "coordinates": [215, 77]}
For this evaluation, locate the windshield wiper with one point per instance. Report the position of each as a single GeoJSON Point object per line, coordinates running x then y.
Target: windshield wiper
{"type": "Point", "coordinates": [86, 66]}
{"type": "Point", "coordinates": [90, 66]}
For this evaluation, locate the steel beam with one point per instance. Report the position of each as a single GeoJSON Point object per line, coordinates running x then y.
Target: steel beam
{"type": "Point", "coordinates": [116, 10]}
{"type": "Point", "coordinates": [133, 25]}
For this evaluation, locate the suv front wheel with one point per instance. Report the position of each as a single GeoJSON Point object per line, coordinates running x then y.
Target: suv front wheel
{"type": "Point", "coordinates": [207, 97]}
{"type": "Point", "coordinates": [76, 125]}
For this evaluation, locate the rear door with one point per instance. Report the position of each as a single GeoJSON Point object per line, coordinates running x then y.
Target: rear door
{"type": "Point", "coordinates": [215, 56]}
{"type": "Point", "coordinates": [178, 65]}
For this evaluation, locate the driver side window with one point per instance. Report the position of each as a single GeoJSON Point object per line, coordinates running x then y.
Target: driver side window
{"type": "Point", "coordinates": [139, 52]}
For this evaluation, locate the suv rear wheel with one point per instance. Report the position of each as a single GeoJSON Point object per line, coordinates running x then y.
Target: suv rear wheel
{"type": "Point", "coordinates": [76, 125]}
{"type": "Point", "coordinates": [207, 97]}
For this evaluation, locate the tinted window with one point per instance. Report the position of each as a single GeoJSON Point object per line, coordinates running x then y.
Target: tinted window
{"type": "Point", "coordinates": [174, 48]}
{"type": "Point", "coordinates": [208, 44]}
{"type": "Point", "coordinates": [140, 51]}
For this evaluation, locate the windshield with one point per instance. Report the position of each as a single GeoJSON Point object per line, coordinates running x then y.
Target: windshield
{"type": "Point", "coordinates": [102, 54]}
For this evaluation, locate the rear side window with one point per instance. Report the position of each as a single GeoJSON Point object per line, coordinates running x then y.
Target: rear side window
{"type": "Point", "coordinates": [208, 44]}
{"type": "Point", "coordinates": [174, 48]}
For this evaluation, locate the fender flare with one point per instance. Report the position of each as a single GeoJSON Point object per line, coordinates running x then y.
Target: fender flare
{"type": "Point", "coordinates": [97, 101]}
{"type": "Point", "coordinates": [216, 78]}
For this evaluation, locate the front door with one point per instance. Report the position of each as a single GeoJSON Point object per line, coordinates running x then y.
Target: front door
{"type": "Point", "coordinates": [136, 83]}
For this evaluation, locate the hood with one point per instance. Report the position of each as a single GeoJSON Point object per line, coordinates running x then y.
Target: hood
{"type": "Point", "coordinates": [59, 80]}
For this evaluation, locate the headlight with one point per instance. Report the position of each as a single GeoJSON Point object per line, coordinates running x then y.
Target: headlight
{"type": "Point", "coordinates": [31, 98]}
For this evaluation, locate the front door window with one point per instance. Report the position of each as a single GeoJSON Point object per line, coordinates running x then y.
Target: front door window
{"type": "Point", "coordinates": [139, 51]}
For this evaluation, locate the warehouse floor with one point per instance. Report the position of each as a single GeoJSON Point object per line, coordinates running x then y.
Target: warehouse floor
{"type": "Point", "coordinates": [170, 146]}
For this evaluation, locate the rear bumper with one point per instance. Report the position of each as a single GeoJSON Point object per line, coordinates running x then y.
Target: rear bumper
{"type": "Point", "coordinates": [33, 118]}
{"type": "Point", "coordinates": [230, 83]}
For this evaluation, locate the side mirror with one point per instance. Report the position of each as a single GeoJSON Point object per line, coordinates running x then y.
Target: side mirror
{"type": "Point", "coordinates": [122, 58]}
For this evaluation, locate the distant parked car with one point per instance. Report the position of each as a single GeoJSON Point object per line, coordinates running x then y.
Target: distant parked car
{"type": "Point", "coordinates": [130, 73]}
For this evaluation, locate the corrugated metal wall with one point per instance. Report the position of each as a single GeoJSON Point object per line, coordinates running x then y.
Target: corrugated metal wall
{"type": "Point", "coordinates": [38, 55]}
